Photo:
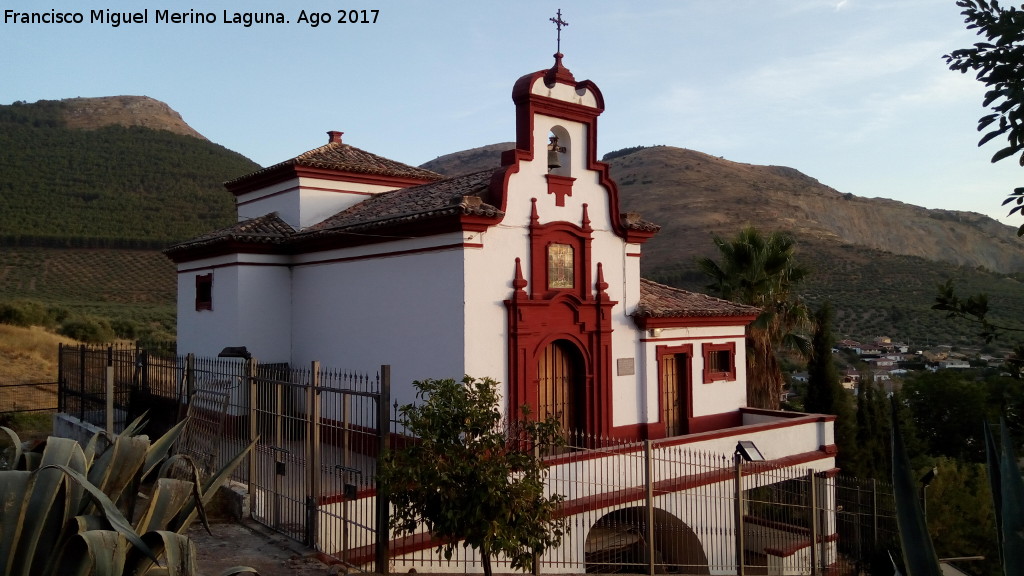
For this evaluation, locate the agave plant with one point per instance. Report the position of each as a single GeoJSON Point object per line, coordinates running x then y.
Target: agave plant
{"type": "Point", "coordinates": [65, 509]}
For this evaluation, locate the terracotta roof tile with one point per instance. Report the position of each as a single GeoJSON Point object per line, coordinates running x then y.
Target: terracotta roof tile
{"type": "Point", "coordinates": [267, 229]}
{"type": "Point", "coordinates": [660, 301]}
{"type": "Point", "coordinates": [347, 158]}
{"type": "Point", "coordinates": [462, 195]}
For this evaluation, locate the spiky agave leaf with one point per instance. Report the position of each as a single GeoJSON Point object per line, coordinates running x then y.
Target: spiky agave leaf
{"type": "Point", "coordinates": [51, 503]}
{"type": "Point", "coordinates": [117, 520]}
{"type": "Point", "coordinates": [119, 465]}
{"type": "Point", "coordinates": [177, 551]}
{"type": "Point", "coordinates": [14, 451]}
{"type": "Point", "coordinates": [14, 487]}
{"type": "Point", "coordinates": [209, 489]}
{"type": "Point", "coordinates": [159, 449]}
{"type": "Point", "coordinates": [169, 496]}
{"type": "Point", "coordinates": [93, 553]}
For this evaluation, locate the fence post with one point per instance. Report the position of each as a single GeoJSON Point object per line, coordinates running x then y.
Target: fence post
{"type": "Point", "coordinates": [61, 400]}
{"type": "Point", "coordinates": [814, 521]}
{"type": "Point", "coordinates": [81, 383]}
{"type": "Point", "coordinates": [313, 454]}
{"type": "Point", "coordinates": [740, 569]}
{"type": "Point", "coordinates": [649, 510]}
{"type": "Point", "coordinates": [874, 516]}
{"type": "Point", "coordinates": [110, 398]}
{"type": "Point", "coordinates": [383, 440]}
{"type": "Point", "coordinates": [250, 371]}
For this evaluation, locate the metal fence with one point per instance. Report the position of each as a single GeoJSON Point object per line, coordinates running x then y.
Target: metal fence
{"type": "Point", "coordinates": [647, 508]}
{"type": "Point", "coordinates": [637, 507]}
{"type": "Point", "coordinates": [311, 474]}
{"type": "Point", "coordinates": [18, 397]}
{"type": "Point", "coordinates": [113, 385]}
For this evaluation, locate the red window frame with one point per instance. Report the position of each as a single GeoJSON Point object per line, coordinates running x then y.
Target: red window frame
{"type": "Point", "coordinates": [710, 375]}
{"type": "Point", "coordinates": [204, 291]}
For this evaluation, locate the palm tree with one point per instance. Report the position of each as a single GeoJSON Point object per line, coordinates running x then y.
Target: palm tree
{"type": "Point", "coordinates": [762, 271]}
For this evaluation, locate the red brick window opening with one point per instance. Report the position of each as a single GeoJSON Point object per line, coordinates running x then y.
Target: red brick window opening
{"type": "Point", "coordinates": [204, 292]}
{"type": "Point", "coordinates": [719, 362]}
{"type": "Point", "coordinates": [561, 266]}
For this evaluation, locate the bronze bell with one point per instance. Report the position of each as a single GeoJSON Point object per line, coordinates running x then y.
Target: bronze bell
{"type": "Point", "coordinates": [553, 149]}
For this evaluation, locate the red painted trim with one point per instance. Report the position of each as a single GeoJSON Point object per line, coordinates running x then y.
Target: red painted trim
{"type": "Point", "coordinates": [829, 473]}
{"type": "Point", "coordinates": [689, 338]}
{"type": "Point", "coordinates": [631, 255]}
{"type": "Point", "coordinates": [528, 106]}
{"type": "Point", "coordinates": [283, 173]}
{"type": "Point", "coordinates": [581, 315]}
{"type": "Point", "coordinates": [441, 248]}
{"type": "Point", "coordinates": [391, 254]}
{"type": "Point", "coordinates": [707, 350]}
{"type": "Point", "coordinates": [560, 186]}
{"type": "Point", "coordinates": [712, 422]}
{"type": "Point", "coordinates": [315, 188]}
{"type": "Point", "coordinates": [647, 323]}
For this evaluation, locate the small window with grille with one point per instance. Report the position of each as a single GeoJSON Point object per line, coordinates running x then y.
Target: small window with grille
{"type": "Point", "coordinates": [719, 362]}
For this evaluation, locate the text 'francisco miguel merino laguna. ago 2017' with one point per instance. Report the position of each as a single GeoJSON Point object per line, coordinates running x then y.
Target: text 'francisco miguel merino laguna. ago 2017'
{"type": "Point", "coordinates": [155, 16]}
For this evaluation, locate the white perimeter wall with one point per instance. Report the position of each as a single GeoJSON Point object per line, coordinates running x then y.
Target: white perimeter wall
{"type": "Point", "coordinates": [358, 309]}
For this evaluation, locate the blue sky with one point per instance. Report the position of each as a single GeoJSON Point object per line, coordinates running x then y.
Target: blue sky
{"type": "Point", "coordinates": [851, 92]}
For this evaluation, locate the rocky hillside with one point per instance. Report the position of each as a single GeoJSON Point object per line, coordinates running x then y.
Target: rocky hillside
{"type": "Point", "coordinates": [693, 195]}
{"type": "Point", "coordinates": [92, 113]}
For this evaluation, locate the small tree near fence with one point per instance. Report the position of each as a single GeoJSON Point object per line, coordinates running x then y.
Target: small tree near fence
{"type": "Point", "coordinates": [468, 476]}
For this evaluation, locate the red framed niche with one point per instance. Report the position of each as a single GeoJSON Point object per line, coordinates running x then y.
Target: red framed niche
{"type": "Point", "coordinates": [544, 238]}
{"type": "Point", "coordinates": [540, 315]}
{"type": "Point", "coordinates": [719, 362]}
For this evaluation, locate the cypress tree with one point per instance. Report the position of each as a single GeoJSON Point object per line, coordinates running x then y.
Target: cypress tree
{"type": "Point", "coordinates": [825, 393]}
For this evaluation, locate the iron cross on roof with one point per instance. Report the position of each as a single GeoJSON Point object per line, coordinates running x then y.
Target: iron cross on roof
{"type": "Point", "coordinates": [558, 24]}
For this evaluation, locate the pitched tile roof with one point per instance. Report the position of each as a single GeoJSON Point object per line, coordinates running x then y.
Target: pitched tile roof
{"type": "Point", "coordinates": [267, 229]}
{"type": "Point", "coordinates": [660, 301]}
{"type": "Point", "coordinates": [459, 195]}
{"type": "Point", "coordinates": [347, 158]}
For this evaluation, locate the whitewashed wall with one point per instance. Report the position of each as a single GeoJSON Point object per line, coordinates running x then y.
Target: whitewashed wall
{"type": "Point", "coordinates": [302, 202]}
{"type": "Point", "coordinates": [402, 310]}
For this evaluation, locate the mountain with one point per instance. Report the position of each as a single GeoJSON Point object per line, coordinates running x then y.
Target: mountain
{"type": "Point", "coordinates": [142, 111]}
{"type": "Point", "coordinates": [124, 171]}
{"type": "Point", "coordinates": [879, 261]}
{"type": "Point", "coordinates": [90, 190]}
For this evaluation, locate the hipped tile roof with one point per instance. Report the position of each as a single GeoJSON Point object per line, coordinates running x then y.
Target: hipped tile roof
{"type": "Point", "coordinates": [660, 301]}
{"type": "Point", "coordinates": [266, 229]}
{"type": "Point", "coordinates": [347, 158]}
{"type": "Point", "coordinates": [459, 195]}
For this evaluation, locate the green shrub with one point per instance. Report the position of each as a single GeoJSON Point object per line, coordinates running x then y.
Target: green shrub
{"type": "Point", "coordinates": [25, 313]}
{"type": "Point", "coordinates": [89, 329]}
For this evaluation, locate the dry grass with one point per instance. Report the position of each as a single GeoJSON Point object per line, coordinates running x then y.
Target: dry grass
{"type": "Point", "coordinates": [29, 354]}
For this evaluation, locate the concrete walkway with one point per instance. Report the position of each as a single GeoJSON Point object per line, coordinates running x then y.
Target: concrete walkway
{"type": "Point", "coordinates": [247, 543]}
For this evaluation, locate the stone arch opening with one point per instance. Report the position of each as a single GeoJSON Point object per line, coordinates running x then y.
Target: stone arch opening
{"type": "Point", "coordinates": [618, 543]}
{"type": "Point", "coordinates": [559, 151]}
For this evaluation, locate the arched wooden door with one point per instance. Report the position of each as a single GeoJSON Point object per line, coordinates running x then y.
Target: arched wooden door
{"type": "Point", "coordinates": [559, 375]}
